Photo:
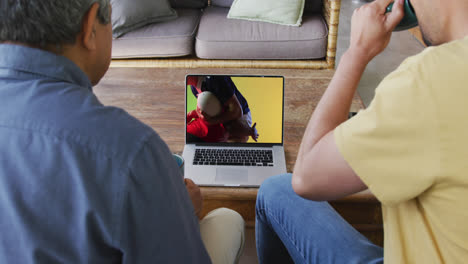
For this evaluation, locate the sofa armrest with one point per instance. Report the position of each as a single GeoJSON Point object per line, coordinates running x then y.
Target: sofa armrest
{"type": "Point", "coordinates": [331, 13]}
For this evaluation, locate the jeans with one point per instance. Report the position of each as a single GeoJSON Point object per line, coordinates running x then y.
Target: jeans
{"type": "Point", "coordinates": [291, 229]}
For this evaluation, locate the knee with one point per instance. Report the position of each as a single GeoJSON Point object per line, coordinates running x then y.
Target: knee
{"type": "Point", "coordinates": [275, 185]}
{"type": "Point", "coordinates": [273, 190]}
{"type": "Point", "coordinates": [227, 217]}
{"type": "Point", "coordinates": [223, 233]}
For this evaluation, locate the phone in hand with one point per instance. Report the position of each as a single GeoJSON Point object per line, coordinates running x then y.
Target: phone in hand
{"type": "Point", "coordinates": [409, 20]}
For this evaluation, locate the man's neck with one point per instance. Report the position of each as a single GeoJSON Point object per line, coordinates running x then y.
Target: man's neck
{"type": "Point", "coordinates": [458, 21]}
{"type": "Point", "coordinates": [71, 52]}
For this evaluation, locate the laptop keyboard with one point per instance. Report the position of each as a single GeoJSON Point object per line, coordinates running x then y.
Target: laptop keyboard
{"type": "Point", "coordinates": [233, 157]}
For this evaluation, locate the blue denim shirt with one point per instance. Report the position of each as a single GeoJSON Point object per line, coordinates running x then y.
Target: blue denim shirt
{"type": "Point", "coordinates": [81, 182]}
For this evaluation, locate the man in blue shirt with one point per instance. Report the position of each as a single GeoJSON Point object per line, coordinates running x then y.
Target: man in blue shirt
{"type": "Point", "coordinates": [81, 182]}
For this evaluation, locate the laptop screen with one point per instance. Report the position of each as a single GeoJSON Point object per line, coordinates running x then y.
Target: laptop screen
{"type": "Point", "coordinates": [233, 109]}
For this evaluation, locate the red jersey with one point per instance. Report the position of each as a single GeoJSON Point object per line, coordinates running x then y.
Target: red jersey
{"type": "Point", "coordinates": [205, 131]}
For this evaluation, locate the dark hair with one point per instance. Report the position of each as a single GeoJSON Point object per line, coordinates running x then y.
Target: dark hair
{"type": "Point", "coordinates": [46, 22]}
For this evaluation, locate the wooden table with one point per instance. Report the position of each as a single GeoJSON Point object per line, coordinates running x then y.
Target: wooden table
{"type": "Point", "coordinates": [156, 97]}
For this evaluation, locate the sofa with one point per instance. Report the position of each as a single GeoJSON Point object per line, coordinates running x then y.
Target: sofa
{"type": "Point", "coordinates": [201, 35]}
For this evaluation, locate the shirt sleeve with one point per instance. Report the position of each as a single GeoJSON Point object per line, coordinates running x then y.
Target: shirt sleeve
{"type": "Point", "coordinates": [221, 86]}
{"type": "Point", "coordinates": [191, 115]}
{"type": "Point", "coordinates": [197, 128]}
{"type": "Point", "coordinates": [230, 87]}
{"type": "Point", "coordinates": [192, 80]}
{"type": "Point", "coordinates": [393, 145]}
{"type": "Point", "coordinates": [158, 222]}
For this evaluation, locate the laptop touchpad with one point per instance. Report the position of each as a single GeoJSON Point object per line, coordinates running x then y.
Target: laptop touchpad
{"type": "Point", "coordinates": [232, 176]}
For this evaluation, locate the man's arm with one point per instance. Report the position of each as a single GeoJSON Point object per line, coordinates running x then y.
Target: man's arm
{"type": "Point", "coordinates": [158, 220]}
{"type": "Point", "coordinates": [195, 195]}
{"type": "Point", "coordinates": [321, 173]}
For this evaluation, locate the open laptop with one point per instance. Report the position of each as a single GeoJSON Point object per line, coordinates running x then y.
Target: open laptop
{"type": "Point", "coordinates": [220, 154]}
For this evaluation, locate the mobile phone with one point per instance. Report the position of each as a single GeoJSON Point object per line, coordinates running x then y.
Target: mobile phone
{"type": "Point", "coordinates": [409, 20]}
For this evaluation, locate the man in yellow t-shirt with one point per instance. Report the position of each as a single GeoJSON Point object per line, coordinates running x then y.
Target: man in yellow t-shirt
{"type": "Point", "coordinates": [409, 147]}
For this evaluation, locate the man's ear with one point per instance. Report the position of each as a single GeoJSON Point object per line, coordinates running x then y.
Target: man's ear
{"type": "Point", "coordinates": [88, 28]}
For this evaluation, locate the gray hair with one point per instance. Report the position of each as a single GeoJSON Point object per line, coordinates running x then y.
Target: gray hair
{"type": "Point", "coordinates": [46, 22]}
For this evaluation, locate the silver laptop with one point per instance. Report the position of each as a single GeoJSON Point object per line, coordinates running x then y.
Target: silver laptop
{"type": "Point", "coordinates": [239, 142]}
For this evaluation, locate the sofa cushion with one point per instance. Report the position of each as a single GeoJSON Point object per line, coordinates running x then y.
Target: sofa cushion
{"type": "Point", "coordinates": [188, 3]}
{"type": "Point", "coordinates": [165, 39]}
{"type": "Point", "coordinates": [283, 12]}
{"type": "Point", "coordinates": [222, 38]}
{"type": "Point", "coordinates": [128, 15]}
{"type": "Point", "coordinates": [311, 6]}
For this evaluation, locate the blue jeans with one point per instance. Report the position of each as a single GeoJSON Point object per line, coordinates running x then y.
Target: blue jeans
{"type": "Point", "coordinates": [290, 229]}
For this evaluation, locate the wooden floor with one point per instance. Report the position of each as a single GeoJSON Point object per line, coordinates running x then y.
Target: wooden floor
{"type": "Point", "coordinates": [156, 97]}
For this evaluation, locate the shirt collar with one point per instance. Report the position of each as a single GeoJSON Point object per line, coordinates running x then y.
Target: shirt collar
{"type": "Point", "coordinates": [41, 62]}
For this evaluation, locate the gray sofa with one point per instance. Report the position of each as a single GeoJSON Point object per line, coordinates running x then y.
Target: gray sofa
{"type": "Point", "coordinates": [202, 36]}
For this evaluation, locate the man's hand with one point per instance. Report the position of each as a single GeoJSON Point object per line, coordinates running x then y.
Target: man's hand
{"type": "Point", "coordinates": [371, 27]}
{"type": "Point", "coordinates": [254, 132]}
{"type": "Point", "coordinates": [195, 195]}
{"type": "Point", "coordinates": [191, 115]}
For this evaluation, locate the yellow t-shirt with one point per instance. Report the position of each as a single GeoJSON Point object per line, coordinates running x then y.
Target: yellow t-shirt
{"type": "Point", "coordinates": [410, 147]}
